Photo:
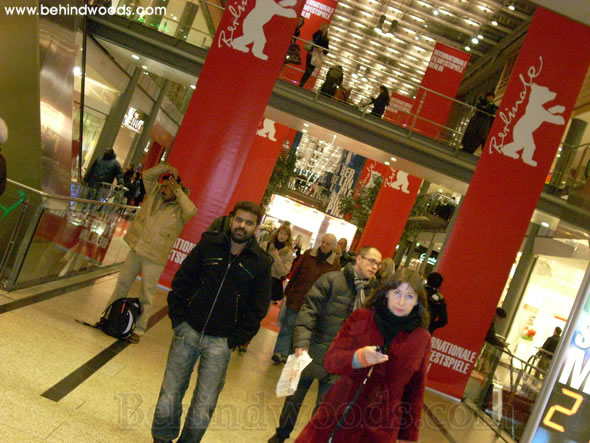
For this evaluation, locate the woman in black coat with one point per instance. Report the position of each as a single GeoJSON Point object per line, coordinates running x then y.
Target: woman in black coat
{"type": "Point", "coordinates": [380, 102]}
{"type": "Point", "coordinates": [320, 39]}
{"type": "Point", "coordinates": [480, 124]}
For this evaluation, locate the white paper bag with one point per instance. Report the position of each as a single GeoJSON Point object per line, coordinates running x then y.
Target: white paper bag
{"type": "Point", "coordinates": [291, 374]}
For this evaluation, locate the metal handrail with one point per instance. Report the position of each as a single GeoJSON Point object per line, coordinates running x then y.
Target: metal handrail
{"type": "Point", "coordinates": [65, 197]}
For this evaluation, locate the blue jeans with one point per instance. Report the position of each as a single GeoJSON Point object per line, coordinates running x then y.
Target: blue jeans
{"type": "Point", "coordinates": [187, 346]}
{"type": "Point", "coordinates": [285, 337]}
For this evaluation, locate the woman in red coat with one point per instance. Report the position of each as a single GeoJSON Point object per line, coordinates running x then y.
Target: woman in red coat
{"type": "Point", "coordinates": [389, 406]}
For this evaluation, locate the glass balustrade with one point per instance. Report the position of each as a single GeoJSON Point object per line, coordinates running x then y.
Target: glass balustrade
{"type": "Point", "coordinates": [49, 236]}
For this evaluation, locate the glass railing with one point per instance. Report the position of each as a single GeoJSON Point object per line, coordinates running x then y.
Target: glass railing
{"type": "Point", "coordinates": [52, 236]}
{"type": "Point", "coordinates": [505, 387]}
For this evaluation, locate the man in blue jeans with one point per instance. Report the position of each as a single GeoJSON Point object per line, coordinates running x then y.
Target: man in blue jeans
{"type": "Point", "coordinates": [219, 296]}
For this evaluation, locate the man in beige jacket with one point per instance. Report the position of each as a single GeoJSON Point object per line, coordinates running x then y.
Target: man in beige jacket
{"type": "Point", "coordinates": [165, 210]}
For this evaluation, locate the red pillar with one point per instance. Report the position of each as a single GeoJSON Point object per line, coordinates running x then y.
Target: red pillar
{"type": "Point", "coordinates": [503, 193]}
{"type": "Point", "coordinates": [391, 209]}
{"type": "Point", "coordinates": [232, 92]}
{"type": "Point", "coordinates": [261, 160]}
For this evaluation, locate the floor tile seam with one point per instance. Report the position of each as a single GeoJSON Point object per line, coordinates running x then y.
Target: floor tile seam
{"type": "Point", "coordinates": [78, 376]}
{"type": "Point", "coordinates": [439, 425]}
{"type": "Point", "coordinates": [44, 296]}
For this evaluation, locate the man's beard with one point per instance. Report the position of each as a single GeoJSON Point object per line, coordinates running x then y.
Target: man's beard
{"type": "Point", "coordinates": [240, 240]}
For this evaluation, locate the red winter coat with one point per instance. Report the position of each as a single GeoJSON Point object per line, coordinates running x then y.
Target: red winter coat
{"type": "Point", "coordinates": [390, 405]}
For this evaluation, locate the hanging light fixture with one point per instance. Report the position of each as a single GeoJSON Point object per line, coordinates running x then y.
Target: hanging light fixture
{"type": "Point", "coordinates": [393, 27]}
{"type": "Point", "coordinates": [381, 23]}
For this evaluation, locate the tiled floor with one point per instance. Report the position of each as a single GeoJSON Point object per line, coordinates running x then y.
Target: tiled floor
{"type": "Point", "coordinates": [41, 344]}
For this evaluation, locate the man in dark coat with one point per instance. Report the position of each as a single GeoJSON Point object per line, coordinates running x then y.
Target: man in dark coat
{"type": "Point", "coordinates": [312, 264]}
{"type": "Point", "coordinates": [3, 173]}
{"type": "Point", "coordinates": [480, 124]}
{"type": "Point", "coordinates": [219, 296]}
{"type": "Point", "coordinates": [104, 170]}
{"type": "Point", "coordinates": [328, 304]}
{"type": "Point", "coordinates": [437, 306]}
{"type": "Point", "coordinates": [548, 349]}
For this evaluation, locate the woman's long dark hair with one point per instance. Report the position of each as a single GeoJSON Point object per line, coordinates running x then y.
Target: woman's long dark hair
{"type": "Point", "coordinates": [403, 275]}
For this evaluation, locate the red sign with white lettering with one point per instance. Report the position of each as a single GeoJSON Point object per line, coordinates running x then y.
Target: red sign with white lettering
{"type": "Point", "coordinates": [504, 190]}
{"type": "Point", "coordinates": [391, 209]}
{"type": "Point", "coordinates": [221, 121]}
{"type": "Point", "coordinates": [443, 75]}
{"type": "Point", "coordinates": [399, 109]}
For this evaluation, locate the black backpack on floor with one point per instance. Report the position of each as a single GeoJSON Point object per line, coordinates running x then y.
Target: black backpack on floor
{"type": "Point", "coordinates": [119, 318]}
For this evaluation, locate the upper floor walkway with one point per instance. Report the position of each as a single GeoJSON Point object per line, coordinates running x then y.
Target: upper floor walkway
{"type": "Point", "coordinates": [420, 155]}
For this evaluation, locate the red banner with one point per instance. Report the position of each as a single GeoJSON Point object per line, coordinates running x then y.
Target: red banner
{"type": "Point", "coordinates": [391, 209]}
{"type": "Point", "coordinates": [315, 12]}
{"type": "Point", "coordinates": [270, 138]}
{"type": "Point", "coordinates": [443, 75]}
{"type": "Point", "coordinates": [399, 109]}
{"type": "Point", "coordinates": [504, 190]}
{"type": "Point", "coordinates": [221, 121]}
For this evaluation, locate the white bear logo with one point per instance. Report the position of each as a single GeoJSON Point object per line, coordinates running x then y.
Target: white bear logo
{"type": "Point", "coordinates": [268, 130]}
{"type": "Point", "coordinates": [534, 116]}
{"type": "Point", "coordinates": [252, 26]}
{"type": "Point", "coordinates": [401, 182]}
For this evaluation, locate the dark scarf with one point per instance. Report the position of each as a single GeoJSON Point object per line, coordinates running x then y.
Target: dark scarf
{"type": "Point", "coordinates": [323, 257]}
{"type": "Point", "coordinates": [279, 245]}
{"type": "Point", "coordinates": [389, 325]}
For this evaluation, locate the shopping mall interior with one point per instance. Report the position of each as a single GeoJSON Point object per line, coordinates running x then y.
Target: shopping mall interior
{"type": "Point", "coordinates": [128, 80]}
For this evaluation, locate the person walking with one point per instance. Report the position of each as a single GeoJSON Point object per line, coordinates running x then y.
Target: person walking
{"type": "Point", "coordinates": [329, 302]}
{"type": "Point", "coordinates": [311, 265]}
{"type": "Point", "coordinates": [382, 353]}
{"type": "Point", "coordinates": [219, 296]}
{"type": "Point", "coordinates": [315, 52]}
{"type": "Point", "coordinates": [151, 237]}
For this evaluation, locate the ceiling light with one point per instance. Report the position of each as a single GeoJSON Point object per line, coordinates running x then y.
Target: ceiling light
{"type": "Point", "coordinates": [435, 12]}
{"type": "Point", "coordinates": [511, 7]}
{"type": "Point", "coordinates": [144, 67]}
{"type": "Point", "coordinates": [494, 22]}
{"type": "Point", "coordinates": [545, 224]}
{"type": "Point", "coordinates": [77, 70]}
{"type": "Point", "coordinates": [386, 163]}
{"type": "Point", "coordinates": [135, 57]}
{"type": "Point", "coordinates": [467, 48]}
{"type": "Point", "coordinates": [417, 37]}
{"type": "Point", "coordinates": [479, 36]}
{"type": "Point", "coordinates": [474, 40]}
{"type": "Point", "coordinates": [304, 131]}
{"type": "Point", "coordinates": [193, 87]}
{"type": "Point", "coordinates": [393, 159]}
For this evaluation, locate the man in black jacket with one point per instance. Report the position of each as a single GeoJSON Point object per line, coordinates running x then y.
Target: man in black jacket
{"type": "Point", "coordinates": [218, 298]}
{"type": "Point", "coordinates": [327, 305]}
{"type": "Point", "coordinates": [437, 306]}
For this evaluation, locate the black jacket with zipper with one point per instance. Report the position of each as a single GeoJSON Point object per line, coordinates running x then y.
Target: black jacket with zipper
{"type": "Point", "coordinates": [221, 295]}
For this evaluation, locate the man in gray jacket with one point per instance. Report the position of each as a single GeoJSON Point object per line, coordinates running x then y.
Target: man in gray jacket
{"type": "Point", "coordinates": [165, 210]}
{"type": "Point", "coordinates": [328, 303]}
